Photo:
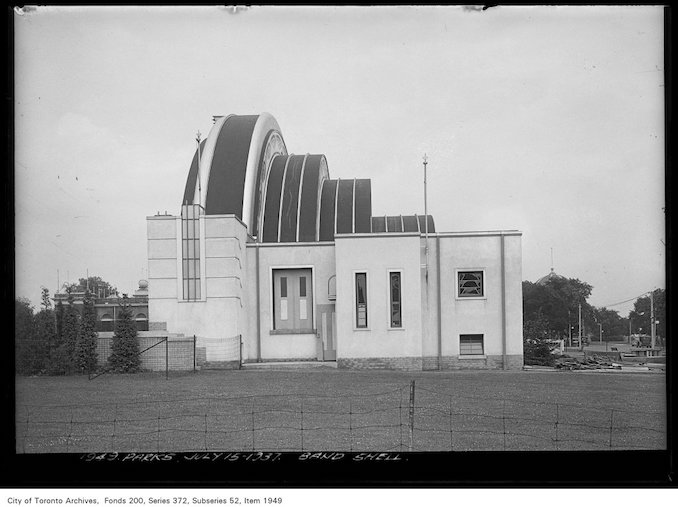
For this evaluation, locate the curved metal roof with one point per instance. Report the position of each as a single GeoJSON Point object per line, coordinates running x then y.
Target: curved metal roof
{"type": "Point", "coordinates": [243, 168]}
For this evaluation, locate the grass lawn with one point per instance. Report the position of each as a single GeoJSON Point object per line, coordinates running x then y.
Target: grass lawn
{"type": "Point", "coordinates": [341, 410]}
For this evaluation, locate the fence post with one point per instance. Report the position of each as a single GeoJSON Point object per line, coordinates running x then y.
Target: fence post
{"type": "Point", "coordinates": [411, 413]}
{"type": "Point", "coordinates": [193, 352]}
{"type": "Point", "coordinates": [503, 420]}
{"type": "Point", "coordinates": [557, 421]}
{"type": "Point", "coordinates": [166, 357]}
{"type": "Point", "coordinates": [240, 361]}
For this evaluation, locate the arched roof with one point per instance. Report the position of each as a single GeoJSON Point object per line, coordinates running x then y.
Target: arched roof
{"type": "Point", "coordinates": [243, 168]}
{"type": "Point", "coordinates": [547, 278]}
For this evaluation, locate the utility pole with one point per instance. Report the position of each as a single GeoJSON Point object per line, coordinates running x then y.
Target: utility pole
{"type": "Point", "coordinates": [629, 329]}
{"type": "Point", "coordinates": [569, 330]}
{"type": "Point", "coordinates": [426, 215]}
{"type": "Point", "coordinates": [652, 331]}
{"type": "Point", "coordinates": [601, 332]}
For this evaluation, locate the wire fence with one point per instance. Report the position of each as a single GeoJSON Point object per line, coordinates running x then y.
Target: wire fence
{"type": "Point", "coordinates": [399, 419]}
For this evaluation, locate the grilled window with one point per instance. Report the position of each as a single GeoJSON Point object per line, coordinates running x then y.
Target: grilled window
{"type": "Point", "coordinates": [470, 284]}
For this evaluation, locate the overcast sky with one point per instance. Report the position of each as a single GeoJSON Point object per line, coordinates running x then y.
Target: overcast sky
{"type": "Point", "coordinates": [549, 120]}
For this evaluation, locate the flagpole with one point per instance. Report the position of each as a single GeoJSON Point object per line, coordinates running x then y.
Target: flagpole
{"type": "Point", "coordinates": [197, 140]}
{"type": "Point", "coordinates": [426, 215]}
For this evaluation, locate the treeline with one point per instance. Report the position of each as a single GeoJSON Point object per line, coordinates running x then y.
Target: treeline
{"type": "Point", "coordinates": [63, 340]}
{"type": "Point", "coordinates": [551, 311]}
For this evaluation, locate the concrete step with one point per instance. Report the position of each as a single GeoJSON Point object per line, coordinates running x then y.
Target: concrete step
{"type": "Point", "coordinates": [290, 365]}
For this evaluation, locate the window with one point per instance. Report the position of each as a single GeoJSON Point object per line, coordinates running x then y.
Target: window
{"type": "Point", "coordinates": [190, 250]}
{"type": "Point", "coordinates": [395, 299]}
{"type": "Point", "coordinates": [292, 300]}
{"type": "Point", "coordinates": [361, 300]}
{"type": "Point", "coordinates": [471, 345]}
{"type": "Point", "coordinates": [470, 284]}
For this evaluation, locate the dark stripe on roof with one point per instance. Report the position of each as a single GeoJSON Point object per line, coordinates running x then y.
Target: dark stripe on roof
{"type": "Point", "coordinates": [261, 172]}
{"type": "Point", "coordinates": [290, 197]}
{"type": "Point", "coordinates": [308, 210]}
{"type": "Point", "coordinates": [345, 207]}
{"type": "Point", "coordinates": [394, 224]}
{"type": "Point", "coordinates": [378, 224]}
{"type": "Point", "coordinates": [363, 206]}
{"type": "Point", "coordinates": [189, 190]}
{"type": "Point", "coordinates": [410, 223]}
{"type": "Point", "coordinates": [422, 224]}
{"type": "Point", "coordinates": [229, 165]}
{"type": "Point", "coordinates": [327, 210]}
{"type": "Point", "coordinates": [272, 207]}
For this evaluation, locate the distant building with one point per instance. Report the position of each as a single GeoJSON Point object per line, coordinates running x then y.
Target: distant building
{"type": "Point", "coordinates": [552, 275]}
{"type": "Point", "coordinates": [108, 308]}
{"type": "Point", "coordinates": [273, 260]}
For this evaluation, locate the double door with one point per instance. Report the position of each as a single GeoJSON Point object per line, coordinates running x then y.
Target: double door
{"type": "Point", "coordinates": [293, 300]}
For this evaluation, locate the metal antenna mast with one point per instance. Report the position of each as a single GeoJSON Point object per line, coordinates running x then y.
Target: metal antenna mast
{"type": "Point", "coordinates": [197, 140]}
{"type": "Point", "coordinates": [426, 214]}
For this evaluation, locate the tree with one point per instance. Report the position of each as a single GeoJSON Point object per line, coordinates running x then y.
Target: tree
{"type": "Point", "coordinates": [71, 333]}
{"type": "Point", "coordinates": [641, 316]}
{"type": "Point", "coordinates": [59, 363]}
{"type": "Point", "coordinates": [85, 353]}
{"type": "Point", "coordinates": [124, 356]}
{"type": "Point", "coordinates": [44, 332]}
{"type": "Point", "coordinates": [613, 325]}
{"type": "Point", "coordinates": [536, 346]}
{"type": "Point", "coordinates": [95, 284]}
{"type": "Point", "coordinates": [557, 302]}
{"type": "Point", "coordinates": [24, 336]}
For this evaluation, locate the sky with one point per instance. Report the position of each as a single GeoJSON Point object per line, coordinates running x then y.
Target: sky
{"type": "Point", "coordinates": [549, 120]}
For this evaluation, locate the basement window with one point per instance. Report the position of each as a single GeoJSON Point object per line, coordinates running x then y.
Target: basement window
{"type": "Point", "coordinates": [471, 345]}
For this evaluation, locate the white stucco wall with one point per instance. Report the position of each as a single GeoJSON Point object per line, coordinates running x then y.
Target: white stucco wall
{"type": "Point", "coordinates": [376, 255]}
{"type": "Point", "coordinates": [219, 316]}
{"type": "Point", "coordinates": [481, 251]}
{"type": "Point", "coordinates": [317, 256]}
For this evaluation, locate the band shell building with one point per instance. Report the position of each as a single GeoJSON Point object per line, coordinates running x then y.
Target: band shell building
{"type": "Point", "coordinates": [271, 259]}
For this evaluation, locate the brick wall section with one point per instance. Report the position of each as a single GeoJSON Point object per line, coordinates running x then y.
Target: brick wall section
{"type": "Point", "coordinates": [430, 363]}
{"type": "Point", "coordinates": [200, 355]}
{"type": "Point", "coordinates": [380, 363]}
{"type": "Point", "coordinates": [179, 353]}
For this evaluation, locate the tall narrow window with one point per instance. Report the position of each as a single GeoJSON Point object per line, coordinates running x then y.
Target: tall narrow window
{"type": "Point", "coordinates": [190, 250]}
{"type": "Point", "coordinates": [361, 300]}
{"type": "Point", "coordinates": [395, 299]}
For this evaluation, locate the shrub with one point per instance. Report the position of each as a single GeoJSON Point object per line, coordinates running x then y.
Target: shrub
{"type": "Point", "coordinates": [124, 356]}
